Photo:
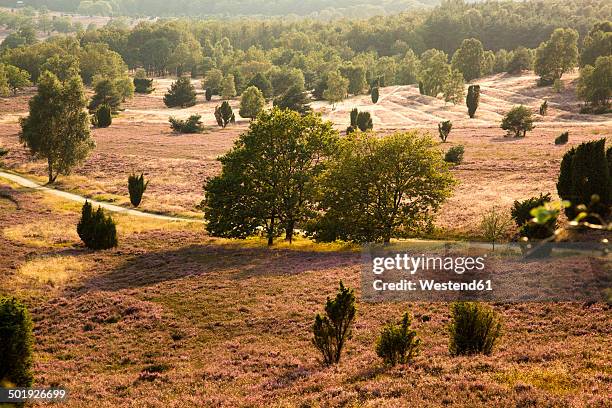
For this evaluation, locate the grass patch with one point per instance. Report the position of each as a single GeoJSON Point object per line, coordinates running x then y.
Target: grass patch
{"type": "Point", "coordinates": [557, 381]}
{"type": "Point", "coordinates": [53, 270]}
{"type": "Point", "coordinates": [43, 234]}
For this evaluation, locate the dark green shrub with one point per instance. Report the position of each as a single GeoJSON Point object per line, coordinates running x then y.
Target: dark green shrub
{"type": "Point", "coordinates": [208, 94]}
{"type": "Point", "coordinates": [544, 108]}
{"type": "Point", "coordinates": [375, 94]}
{"type": "Point", "coordinates": [421, 88]}
{"type": "Point", "coordinates": [398, 343]}
{"type": "Point", "coordinates": [191, 125]}
{"type": "Point", "coordinates": [350, 130]}
{"type": "Point", "coordinates": [224, 114]}
{"type": "Point", "coordinates": [16, 343]}
{"type": "Point", "coordinates": [354, 113]}
{"type": "Point", "coordinates": [332, 330]}
{"type": "Point", "coordinates": [136, 188]}
{"type": "Point", "coordinates": [563, 138]}
{"type": "Point", "coordinates": [181, 94]}
{"type": "Point", "coordinates": [474, 329]}
{"type": "Point", "coordinates": [521, 213]}
{"type": "Point", "coordinates": [473, 99]}
{"type": "Point", "coordinates": [444, 129]}
{"type": "Point", "coordinates": [454, 155]}
{"type": "Point", "coordinates": [104, 117]}
{"type": "Point", "coordinates": [96, 230]}
{"type": "Point", "coordinates": [364, 121]}
{"type": "Point", "coordinates": [143, 85]}
{"type": "Point", "coordinates": [585, 174]}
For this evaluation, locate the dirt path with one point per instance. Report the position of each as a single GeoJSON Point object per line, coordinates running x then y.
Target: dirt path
{"type": "Point", "coordinates": [25, 182]}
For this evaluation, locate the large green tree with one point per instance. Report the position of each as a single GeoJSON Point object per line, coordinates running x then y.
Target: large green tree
{"type": "Point", "coordinates": [598, 43]}
{"type": "Point", "coordinates": [469, 59]}
{"type": "Point", "coordinates": [57, 128]}
{"type": "Point", "coordinates": [557, 55]}
{"type": "Point", "coordinates": [434, 72]}
{"type": "Point", "coordinates": [337, 88]}
{"type": "Point", "coordinates": [252, 102]}
{"type": "Point", "coordinates": [595, 84]}
{"type": "Point", "coordinates": [267, 179]}
{"type": "Point", "coordinates": [375, 189]}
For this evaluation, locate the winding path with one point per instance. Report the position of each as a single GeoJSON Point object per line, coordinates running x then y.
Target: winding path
{"type": "Point", "coordinates": [25, 182]}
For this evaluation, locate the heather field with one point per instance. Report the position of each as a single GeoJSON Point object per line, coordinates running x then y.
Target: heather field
{"type": "Point", "coordinates": [173, 318]}
{"type": "Point", "coordinates": [495, 168]}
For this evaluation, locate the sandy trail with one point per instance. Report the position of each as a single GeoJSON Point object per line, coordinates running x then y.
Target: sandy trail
{"type": "Point", "coordinates": [25, 182]}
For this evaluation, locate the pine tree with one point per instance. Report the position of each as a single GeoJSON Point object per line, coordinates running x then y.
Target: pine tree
{"type": "Point", "coordinates": [136, 188]}
{"type": "Point", "coordinates": [181, 94]}
{"type": "Point", "coordinates": [584, 174]}
{"type": "Point", "coordinates": [104, 117]}
{"type": "Point", "coordinates": [263, 84]}
{"type": "Point", "coordinates": [16, 343]}
{"type": "Point", "coordinates": [375, 94]}
{"type": "Point", "coordinates": [354, 114]}
{"type": "Point", "coordinates": [473, 99]}
{"type": "Point", "coordinates": [364, 121]}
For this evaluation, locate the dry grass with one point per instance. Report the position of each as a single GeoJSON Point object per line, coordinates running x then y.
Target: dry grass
{"type": "Point", "coordinates": [53, 270]}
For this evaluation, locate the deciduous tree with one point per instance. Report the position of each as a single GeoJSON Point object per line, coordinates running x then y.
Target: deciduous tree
{"type": "Point", "coordinates": [57, 128]}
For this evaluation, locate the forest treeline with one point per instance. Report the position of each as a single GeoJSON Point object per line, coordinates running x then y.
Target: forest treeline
{"type": "Point", "coordinates": [313, 8]}
{"type": "Point", "coordinates": [438, 49]}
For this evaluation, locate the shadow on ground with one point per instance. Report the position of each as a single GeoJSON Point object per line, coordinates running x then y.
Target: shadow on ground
{"type": "Point", "coordinates": [232, 262]}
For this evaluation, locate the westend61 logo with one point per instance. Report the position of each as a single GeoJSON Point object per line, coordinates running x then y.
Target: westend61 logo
{"type": "Point", "coordinates": [407, 264]}
{"type": "Point", "coordinates": [449, 271]}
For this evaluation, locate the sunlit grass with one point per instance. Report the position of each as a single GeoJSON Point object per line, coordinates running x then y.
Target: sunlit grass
{"type": "Point", "coordinates": [298, 244]}
{"type": "Point", "coordinates": [556, 380]}
{"type": "Point", "coordinates": [42, 234]}
{"type": "Point", "coordinates": [53, 270]}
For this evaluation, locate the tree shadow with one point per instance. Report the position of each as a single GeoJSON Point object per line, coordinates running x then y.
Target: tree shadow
{"type": "Point", "coordinates": [236, 262]}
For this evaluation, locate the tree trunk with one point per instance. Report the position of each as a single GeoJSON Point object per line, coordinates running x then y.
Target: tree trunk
{"type": "Point", "coordinates": [271, 231]}
{"type": "Point", "coordinates": [289, 231]}
{"type": "Point", "coordinates": [50, 171]}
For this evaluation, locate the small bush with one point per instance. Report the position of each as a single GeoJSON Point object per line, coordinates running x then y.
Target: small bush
{"type": "Point", "coordinates": [191, 125]}
{"type": "Point", "coordinates": [558, 86]}
{"type": "Point", "coordinates": [136, 188]}
{"type": "Point", "coordinates": [544, 108]}
{"type": "Point", "coordinates": [398, 343]}
{"type": "Point", "coordinates": [521, 213]}
{"type": "Point", "coordinates": [444, 129]}
{"type": "Point", "coordinates": [494, 225]}
{"type": "Point", "coordinates": [454, 155]}
{"type": "Point", "coordinates": [143, 85]}
{"type": "Point", "coordinates": [208, 94]}
{"type": "Point", "coordinates": [474, 329]}
{"type": "Point", "coordinates": [332, 330]}
{"type": "Point", "coordinates": [364, 121]}
{"type": "Point", "coordinates": [16, 343]}
{"type": "Point", "coordinates": [518, 121]}
{"type": "Point", "coordinates": [224, 114]}
{"type": "Point", "coordinates": [96, 230]}
{"type": "Point", "coordinates": [563, 138]}
{"type": "Point", "coordinates": [104, 117]}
